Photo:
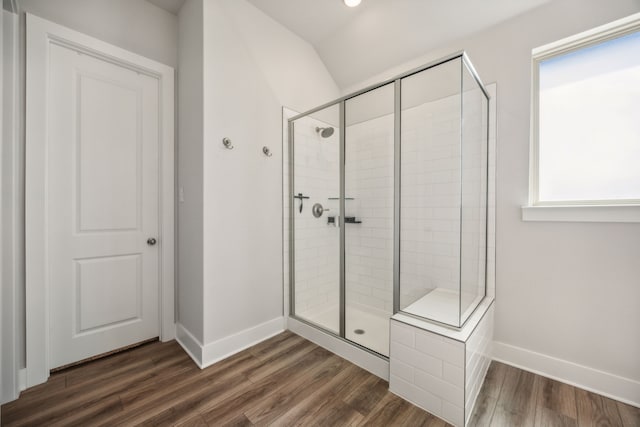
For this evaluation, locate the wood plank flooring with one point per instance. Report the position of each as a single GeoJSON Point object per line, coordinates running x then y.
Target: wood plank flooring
{"type": "Point", "coordinates": [285, 380]}
{"type": "Point", "coordinates": [513, 397]}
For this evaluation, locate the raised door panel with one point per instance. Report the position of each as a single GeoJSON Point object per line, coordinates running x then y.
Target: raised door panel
{"type": "Point", "coordinates": [108, 292]}
{"type": "Point", "coordinates": [109, 155]}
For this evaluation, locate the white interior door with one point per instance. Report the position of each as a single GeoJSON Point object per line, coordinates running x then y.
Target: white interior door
{"type": "Point", "coordinates": [102, 205]}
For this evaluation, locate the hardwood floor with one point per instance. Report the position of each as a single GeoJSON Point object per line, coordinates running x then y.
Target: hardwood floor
{"type": "Point", "coordinates": [513, 397]}
{"type": "Point", "coordinates": [285, 380]}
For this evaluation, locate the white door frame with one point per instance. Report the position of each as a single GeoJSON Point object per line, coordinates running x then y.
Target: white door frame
{"type": "Point", "coordinates": [2, 350]}
{"type": "Point", "coordinates": [11, 259]}
{"type": "Point", "coordinates": [41, 34]}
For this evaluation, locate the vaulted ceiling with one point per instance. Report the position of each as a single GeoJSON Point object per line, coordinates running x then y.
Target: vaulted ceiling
{"type": "Point", "coordinates": [357, 43]}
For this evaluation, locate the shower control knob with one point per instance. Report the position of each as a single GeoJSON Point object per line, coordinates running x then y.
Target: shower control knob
{"type": "Point", "coordinates": [151, 241]}
{"type": "Point", "coordinates": [318, 210]}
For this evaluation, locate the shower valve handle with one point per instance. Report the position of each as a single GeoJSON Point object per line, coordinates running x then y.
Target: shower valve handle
{"type": "Point", "coordinates": [317, 210]}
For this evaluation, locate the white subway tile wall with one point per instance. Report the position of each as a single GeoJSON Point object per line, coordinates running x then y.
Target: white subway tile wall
{"type": "Point", "coordinates": [369, 169]}
{"type": "Point", "coordinates": [430, 198]}
{"type": "Point", "coordinates": [439, 374]}
{"type": "Point", "coordinates": [477, 360]}
{"type": "Point", "coordinates": [422, 367]}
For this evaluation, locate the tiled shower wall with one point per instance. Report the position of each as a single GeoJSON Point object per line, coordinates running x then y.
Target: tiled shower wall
{"type": "Point", "coordinates": [430, 198]}
{"type": "Point", "coordinates": [369, 166]}
{"type": "Point", "coordinates": [439, 373]}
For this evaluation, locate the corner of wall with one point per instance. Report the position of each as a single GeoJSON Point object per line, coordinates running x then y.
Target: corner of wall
{"type": "Point", "coordinates": [301, 67]}
{"type": "Point", "coordinates": [189, 343]}
{"type": "Point", "coordinates": [221, 349]}
{"type": "Point", "coordinates": [208, 354]}
{"type": "Point", "coordinates": [10, 6]}
{"type": "Point", "coordinates": [190, 168]}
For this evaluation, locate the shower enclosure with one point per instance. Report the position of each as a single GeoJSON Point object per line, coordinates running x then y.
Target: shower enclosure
{"type": "Point", "coordinates": [388, 204]}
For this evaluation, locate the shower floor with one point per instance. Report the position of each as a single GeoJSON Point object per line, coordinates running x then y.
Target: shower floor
{"type": "Point", "coordinates": [442, 305]}
{"type": "Point", "coordinates": [373, 322]}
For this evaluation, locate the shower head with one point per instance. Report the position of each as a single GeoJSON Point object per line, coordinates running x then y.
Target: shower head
{"type": "Point", "coordinates": [325, 132]}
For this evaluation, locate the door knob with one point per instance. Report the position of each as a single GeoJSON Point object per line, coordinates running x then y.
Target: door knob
{"type": "Point", "coordinates": [151, 241]}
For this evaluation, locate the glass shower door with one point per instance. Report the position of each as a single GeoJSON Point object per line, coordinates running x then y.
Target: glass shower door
{"type": "Point", "coordinates": [443, 193]}
{"type": "Point", "coordinates": [314, 212]}
{"type": "Point", "coordinates": [369, 210]}
{"type": "Point", "coordinates": [473, 225]}
{"type": "Point", "coordinates": [430, 183]}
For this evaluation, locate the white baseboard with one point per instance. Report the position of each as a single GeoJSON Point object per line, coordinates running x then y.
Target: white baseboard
{"type": "Point", "coordinates": [208, 354]}
{"type": "Point", "coordinates": [189, 343]}
{"type": "Point", "coordinates": [370, 362]}
{"type": "Point", "coordinates": [225, 347]}
{"type": "Point", "coordinates": [20, 384]}
{"type": "Point", "coordinates": [604, 383]}
{"type": "Point", "coordinates": [22, 379]}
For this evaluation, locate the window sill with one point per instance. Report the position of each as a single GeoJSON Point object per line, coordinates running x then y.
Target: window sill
{"type": "Point", "coordinates": [582, 213]}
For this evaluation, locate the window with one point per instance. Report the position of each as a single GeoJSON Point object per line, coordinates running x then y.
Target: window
{"type": "Point", "coordinates": [586, 121]}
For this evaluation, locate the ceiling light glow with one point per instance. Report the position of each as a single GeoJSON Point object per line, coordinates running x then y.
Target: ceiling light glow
{"type": "Point", "coordinates": [352, 3]}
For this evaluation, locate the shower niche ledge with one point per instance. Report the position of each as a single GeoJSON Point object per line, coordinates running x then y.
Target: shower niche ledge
{"type": "Point", "coordinates": [441, 369]}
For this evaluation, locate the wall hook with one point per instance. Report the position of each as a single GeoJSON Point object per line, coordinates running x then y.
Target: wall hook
{"type": "Point", "coordinates": [266, 151]}
{"type": "Point", "coordinates": [227, 143]}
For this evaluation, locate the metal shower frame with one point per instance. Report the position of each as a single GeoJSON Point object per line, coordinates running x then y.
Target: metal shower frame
{"type": "Point", "coordinates": [396, 81]}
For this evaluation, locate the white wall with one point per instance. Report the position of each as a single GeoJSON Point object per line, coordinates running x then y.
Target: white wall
{"type": "Point", "coordinates": [291, 67]}
{"type": "Point", "coordinates": [244, 93]}
{"type": "Point", "coordinates": [247, 79]}
{"type": "Point", "coordinates": [565, 290]}
{"type": "Point", "coordinates": [135, 25]}
{"type": "Point", "coordinates": [242, 270]}
{"type": "Point", "coordinates": [190, 168]}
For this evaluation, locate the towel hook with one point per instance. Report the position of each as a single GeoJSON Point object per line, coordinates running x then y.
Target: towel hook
{"type": "Point", "coordinates": [227, 143]}
{"type": "Point", "coordinates": [267, 152]}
